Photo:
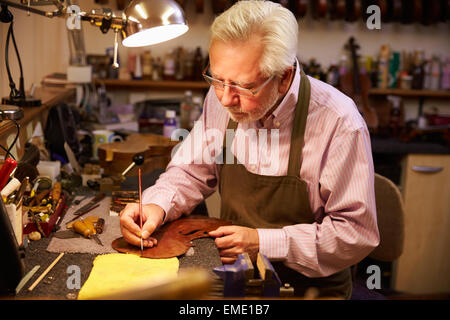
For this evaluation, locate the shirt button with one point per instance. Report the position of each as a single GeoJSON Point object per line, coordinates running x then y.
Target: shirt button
{"type": "Point", "coordinates": [277, 124]}
{"type": "Point", "coordinates": [253, 167]}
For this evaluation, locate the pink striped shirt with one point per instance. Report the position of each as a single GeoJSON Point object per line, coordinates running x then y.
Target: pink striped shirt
{"type": "Point", "coordinates": [337, 166]}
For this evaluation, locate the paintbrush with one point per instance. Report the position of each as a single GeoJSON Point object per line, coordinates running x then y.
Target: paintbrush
{"type": "Point", "coordinates": [140, 209]}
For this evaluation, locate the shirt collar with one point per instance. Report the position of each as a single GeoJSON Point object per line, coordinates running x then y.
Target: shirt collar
{"type": "Point", "coordinates": [287, 105]}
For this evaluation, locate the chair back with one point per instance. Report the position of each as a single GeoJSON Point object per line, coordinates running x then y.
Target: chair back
{"type": "Point", "coordinates": [390, 216]}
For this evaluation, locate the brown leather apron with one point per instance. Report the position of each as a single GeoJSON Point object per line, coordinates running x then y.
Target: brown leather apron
{"type": "Point", "coordinates": [260, 201]}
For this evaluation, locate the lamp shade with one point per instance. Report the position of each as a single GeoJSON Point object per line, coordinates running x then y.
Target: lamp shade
{"type": "Point", "coordinates": [152, 21]}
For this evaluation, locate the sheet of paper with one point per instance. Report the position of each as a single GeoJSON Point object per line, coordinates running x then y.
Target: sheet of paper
{"type": "Point", "coordinates": [116, 272]}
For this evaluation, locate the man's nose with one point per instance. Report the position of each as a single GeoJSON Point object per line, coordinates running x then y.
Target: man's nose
{"type": "Point", "coordinates": [229, 97]}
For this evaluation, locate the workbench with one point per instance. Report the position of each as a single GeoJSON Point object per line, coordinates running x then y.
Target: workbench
{"type": "Point", "coordinates": [53, 286]}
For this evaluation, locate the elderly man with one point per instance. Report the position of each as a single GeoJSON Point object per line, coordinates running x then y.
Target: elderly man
{"type": "Point", "coordinates": [300, 184]}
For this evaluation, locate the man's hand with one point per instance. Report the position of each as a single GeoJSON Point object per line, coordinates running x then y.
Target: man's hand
{"type": "Point", "coordinates": [152, 217]}
{"type": "Point", "coordinates": [234, 240]}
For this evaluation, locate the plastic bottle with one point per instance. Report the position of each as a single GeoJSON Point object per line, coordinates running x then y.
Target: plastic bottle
{"type": "Point", "coordinates": [185, 110]}
{"type": "Point", "coordinates": [170, 123]}
{"type": "Point", "coordinates": [196, 111]}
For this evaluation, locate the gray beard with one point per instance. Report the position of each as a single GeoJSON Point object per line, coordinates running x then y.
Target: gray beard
{"type": "Point", "coordinates": [262, 110]}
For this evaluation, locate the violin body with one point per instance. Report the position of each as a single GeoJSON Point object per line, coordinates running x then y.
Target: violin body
{"type": "Point", "coordinates": [115, 157]}
{"type": "Point", "coordinates": [174, 238]}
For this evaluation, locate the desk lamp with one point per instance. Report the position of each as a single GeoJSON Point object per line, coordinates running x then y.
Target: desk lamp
{"type": "Point", "coordinates": [143, 23]}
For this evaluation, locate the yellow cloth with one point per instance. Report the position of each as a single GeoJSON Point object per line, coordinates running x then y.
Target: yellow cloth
{"type": "Point", "coordinates": [116, 272]}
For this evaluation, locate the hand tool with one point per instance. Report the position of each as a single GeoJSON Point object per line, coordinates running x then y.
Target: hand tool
{"type": "Point", "coordinates": [91, 203]}
{"type": "Point", "coordinates": [26, 278]}
{"type": "Point", "coordinates": [45, 272]}
{"type": "Point", "coordinates": [78, 201]}
{"type": "Point", "coordinates": [87, 229]}
{"type": "Point", "coordinates": [99, 225]}
{"type": "Point", "coordinates": [140, 209]}
{"type": "Point", "coordinates": [56, 193]}
{"type": "Point", "coordinates": [83, 227]}
{"type": "Point", "coordinates": [84, 212]}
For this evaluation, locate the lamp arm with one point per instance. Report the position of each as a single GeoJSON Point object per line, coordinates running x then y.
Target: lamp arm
{"type": "Point", "coordinates": [93, 18]}
{"type": "Point", "coordinates": [48, 14]}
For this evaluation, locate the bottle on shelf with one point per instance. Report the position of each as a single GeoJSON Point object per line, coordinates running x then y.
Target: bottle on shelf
{"type": "Point", "coordinates": [435, 77]}
{"type": "Point", "coordinates": [138, 68]}
{"type": "Point", "coordinates": [383, 66]}
{"type": "Point", "coordinates": [179, 57]}
{"type": "Point", "coordinates": [394, 116]}
{"type": "Point", "coordinates": [394, 66]}
{"type": "Point", "coordinates": [333, 75]}
{"type": "Point", "coordinates": [417, 71]}
{"type": "Point", "coordinates": [157, 69]}
{"type": "Point", "coordinates": [170, 123]}
{"type": "Point", "coordinates": [196, 111]}
{"type": "Point", "coordinates": [147, 65]}
{"type": "Point", "coordinates": [169, 66]}
{"type": "Point", "coordinates": [188, 65]}
{"type": "Point", "coordinates": [198, 65]}
{"type": "Point", "coordinates": [445, 79]}
{"type": "Point", "coordinates": [185, 110]}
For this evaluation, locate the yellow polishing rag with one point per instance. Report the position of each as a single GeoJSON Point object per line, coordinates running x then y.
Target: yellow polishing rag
{"type": "Point", "coordinates": [118, 272]}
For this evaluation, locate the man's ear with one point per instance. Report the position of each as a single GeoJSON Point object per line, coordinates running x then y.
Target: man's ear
{"type": "Point", "coordinates": [286, 79]}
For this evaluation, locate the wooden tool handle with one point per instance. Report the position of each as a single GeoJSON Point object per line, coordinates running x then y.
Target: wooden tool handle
{"type": "Point", "coordinates": [100, 225]}
{"type": "Point", "coordinates": [81, 227]}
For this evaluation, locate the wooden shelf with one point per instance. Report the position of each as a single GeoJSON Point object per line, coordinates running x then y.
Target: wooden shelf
{"type": "Point", "coordinates": [411, 93]}
{"type": "Point", "coordinates": [138, 85]}
{"type": "Point", "coordinates": [50, 96]}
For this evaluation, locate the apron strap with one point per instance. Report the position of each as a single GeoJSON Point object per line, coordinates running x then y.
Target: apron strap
{"type": "Point", "coordinates": [299, 126]}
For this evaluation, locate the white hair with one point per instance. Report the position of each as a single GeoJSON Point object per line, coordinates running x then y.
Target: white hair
{"type": "Point", "coordinates": [276, 25]}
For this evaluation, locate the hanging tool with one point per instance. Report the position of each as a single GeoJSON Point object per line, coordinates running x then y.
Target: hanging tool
{"type": "Point", "coordinates": [140, 210]}
{"type": "Point", "coordinates": [91, 203]}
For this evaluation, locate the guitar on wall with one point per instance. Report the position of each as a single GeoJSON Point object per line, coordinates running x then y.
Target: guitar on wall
{"type": "Point", "coordinates": [356, 85]}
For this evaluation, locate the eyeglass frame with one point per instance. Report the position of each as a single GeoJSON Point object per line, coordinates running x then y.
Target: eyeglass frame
{"type": "Point", "coordinates": [253, 92]}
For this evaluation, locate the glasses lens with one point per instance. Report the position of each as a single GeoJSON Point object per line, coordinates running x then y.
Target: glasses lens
{"type": "Point", "coordinates": [219, 85]}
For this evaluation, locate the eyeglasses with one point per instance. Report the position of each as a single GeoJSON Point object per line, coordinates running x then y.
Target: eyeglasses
{"type": "Point", "coordinates": [220, 85]}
